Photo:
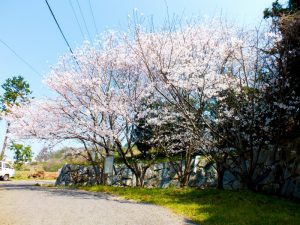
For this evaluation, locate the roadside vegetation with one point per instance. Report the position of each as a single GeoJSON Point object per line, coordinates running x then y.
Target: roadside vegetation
{"type": "Point", "coordinates": [27, 175]}
{"type": "Point", "coordinates": [47, 164]}
{"type": "Point", "coordinates": [211, 206]}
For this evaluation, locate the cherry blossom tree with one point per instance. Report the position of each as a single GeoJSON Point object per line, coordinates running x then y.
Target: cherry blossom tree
{"type": "Point", "coordinates": [250, 116]}
{"type": "Point", "coordinates": [171, 134]}
{"type": "Point", "coordinates": [188, 67]}
{"type": "Point", "coordinates": [97, 92]}
{"type": "Point", "coordinates": [215, 77]}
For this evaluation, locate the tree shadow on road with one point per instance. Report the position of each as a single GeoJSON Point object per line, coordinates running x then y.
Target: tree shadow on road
{"type": "Point", "coordinates": [72, 193]}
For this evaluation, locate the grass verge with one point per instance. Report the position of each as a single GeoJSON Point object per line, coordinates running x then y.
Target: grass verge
{"type": "Point", "coordinates": [214, 206]}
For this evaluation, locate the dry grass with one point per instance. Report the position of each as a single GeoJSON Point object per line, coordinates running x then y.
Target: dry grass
{"type": "Point", "coordinates": [23, 175]}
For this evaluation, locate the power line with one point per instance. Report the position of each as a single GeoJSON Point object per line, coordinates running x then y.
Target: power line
{"type": "Point", "coordinates": [62, 33]}
{"type": "Point", "coordinates": [20, 58]}
{"type": "Point", "coordinates": [94, 21]}
{"type": "Point", "coordinates": [59, 27]}
{"type": "Point", "coordinates": [74, 13]}
{"type": "Point", "coordinates": [86, 28]}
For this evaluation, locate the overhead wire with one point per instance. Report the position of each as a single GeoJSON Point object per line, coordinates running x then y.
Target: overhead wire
{"type": "Point", "coordinates": [93, 17]}
{"type": "Point", "coordinates": [84, 22]}
{"type": "Point", "coordinates": [62, 33]}
{"type": "Point", "coordinates": [74, 13]}
{"type": "Point", "coordinates": [20, 57]}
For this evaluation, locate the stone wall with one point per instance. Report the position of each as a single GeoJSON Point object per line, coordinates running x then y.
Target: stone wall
{"type": "Point", "coordinates": [158, 175]}
{"type": "Point", "coordinates": [71, 174]}
{"type": "Point", "coordinates": [163, 175]}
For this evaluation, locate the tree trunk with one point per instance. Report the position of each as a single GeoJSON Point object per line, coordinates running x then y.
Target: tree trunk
{"type": "Point", "coordinates": [184, 182]}
{"type": "Point", "coordinates": [187, 170]}
{"type": "Point", "coordinates": [140, 179]}
{"type": "Point", "coordinates": [5, 143]}
{"type": "Point", "coordinates": [220, 171]}
{"type": "Point", "coordinates": [221, 168]}
{"type": "Point", "coordinates": [96, 169]}
{"type": "Point", "coordinates": [98, 175]}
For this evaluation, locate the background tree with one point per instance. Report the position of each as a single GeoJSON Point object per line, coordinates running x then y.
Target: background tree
{"type": "Point", "coordinates": [16, 92]}
{"type": "Point", "coordinates": [22, 154]}
{"type": "Point", "coordinates": [43, 155]}
{"type": "Point", "coordinates": [285, 30]}
{"type": "Point", "coordinates": [284, 92]}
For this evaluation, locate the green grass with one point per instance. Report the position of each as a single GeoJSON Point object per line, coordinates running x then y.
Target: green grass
{"type": "Point", "coordinates": [214, 206]}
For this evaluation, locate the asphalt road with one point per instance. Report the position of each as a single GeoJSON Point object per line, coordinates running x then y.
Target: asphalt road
{"type": "Point", "coordinates": [22, 203]}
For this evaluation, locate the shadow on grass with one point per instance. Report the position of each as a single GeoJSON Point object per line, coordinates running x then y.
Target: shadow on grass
{"type": "Point", "coordinates": [216, 207]}
{"type": "Point", "coordinates": [241, 207]}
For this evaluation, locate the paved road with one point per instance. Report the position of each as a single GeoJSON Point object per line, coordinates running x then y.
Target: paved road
{"type": "Point", "coordinates": [22, 203]}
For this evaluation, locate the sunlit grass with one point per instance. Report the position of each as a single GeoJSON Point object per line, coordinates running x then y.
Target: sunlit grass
{"type": "Point", "coordinates": [214, 206]}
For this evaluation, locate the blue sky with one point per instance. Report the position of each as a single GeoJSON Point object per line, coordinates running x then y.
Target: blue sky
{"type": "Point", "coordinates": [28, 28]}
